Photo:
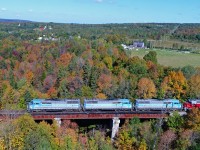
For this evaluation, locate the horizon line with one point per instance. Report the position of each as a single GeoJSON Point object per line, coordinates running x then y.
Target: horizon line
{"type": "Point", "coordinates": [25, 20]}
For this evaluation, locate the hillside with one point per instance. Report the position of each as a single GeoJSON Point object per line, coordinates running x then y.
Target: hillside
{"type": "Point", "coordinates": [13, 21]}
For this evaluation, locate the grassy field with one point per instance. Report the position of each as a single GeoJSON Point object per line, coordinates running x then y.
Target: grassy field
{"type": "Point", "coordinates": [169, 44]}
{"type": "Point", "coordinates": [169, 57]}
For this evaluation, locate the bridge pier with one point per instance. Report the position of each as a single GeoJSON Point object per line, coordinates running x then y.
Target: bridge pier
{"type": "Point", "coordinates": [58, 121]}
{"type": "Point", "coordinates": [115, 127]}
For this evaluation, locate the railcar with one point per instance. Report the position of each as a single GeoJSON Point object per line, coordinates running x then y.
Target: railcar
{"type": "Point", "coordinates": [192, 103]}
{"type": "Point", "coordinates": [115, 104]}
{"type": "Point", "coordinates": [155, 104]}
{"type": "Point", "coordinates": [54, 105]}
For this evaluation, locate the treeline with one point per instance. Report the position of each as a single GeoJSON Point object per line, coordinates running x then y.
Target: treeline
{"type": "Point", "coordinates": [117, 33]}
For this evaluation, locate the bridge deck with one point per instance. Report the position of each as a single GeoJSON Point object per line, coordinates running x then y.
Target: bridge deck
{"type": "Point", "coordinates": [85, 115]}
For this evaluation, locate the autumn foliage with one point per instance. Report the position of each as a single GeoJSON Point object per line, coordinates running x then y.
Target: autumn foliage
{"type": "Point", "coordinates": [146, 88]}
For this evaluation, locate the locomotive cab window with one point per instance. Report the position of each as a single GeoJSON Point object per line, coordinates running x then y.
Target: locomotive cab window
{"type": "Point", "coordinates": [144, 102]}
{"type": "Point", "coordinates": [167, 102]}
{"type": "Point", "coordinates": [46, 103]}
{"type": "Point", "coordinates": [116, 102]}
{"type": "Point", "coordinates": [176, 103]}
{"type": "Point", "coordinates": [72, 102]}
{"type": "Point", "coordinates": [92, 102]}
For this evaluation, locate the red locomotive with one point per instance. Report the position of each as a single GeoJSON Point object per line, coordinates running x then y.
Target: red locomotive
{"type": "Point", "coordinates": [193, 103]}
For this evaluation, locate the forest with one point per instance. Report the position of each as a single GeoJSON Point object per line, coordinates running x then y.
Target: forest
{"type": "Point", "coordinates": [88, 61]}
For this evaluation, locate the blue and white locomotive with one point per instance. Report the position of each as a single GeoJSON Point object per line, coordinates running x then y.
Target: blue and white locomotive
{"type": "Point", "coordinates": [115, 104]}
{"type": "Point", "coordinates": [54, 105]}
{"type": "Point", "coordinates": [103, 105]}
{"type": "Point", "coordinates": [155, 104]}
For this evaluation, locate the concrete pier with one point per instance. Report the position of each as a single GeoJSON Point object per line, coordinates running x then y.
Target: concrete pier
{"type": "Point", "coordinates": [115, 127]}
{"type": "Point", "coordinates": [58, 121]}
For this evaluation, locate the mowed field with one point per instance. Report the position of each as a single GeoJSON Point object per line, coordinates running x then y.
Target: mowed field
{"type": "Point", "coordinates": [170, 57]}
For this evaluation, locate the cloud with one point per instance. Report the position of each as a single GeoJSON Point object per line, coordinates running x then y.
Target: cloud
{"type": "Point", "coordinates": [3, 9]}
{"type": "Point", "coordinates": [98, 1]}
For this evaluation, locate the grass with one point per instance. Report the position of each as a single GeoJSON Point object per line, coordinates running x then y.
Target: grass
{"type": "Point", "coordinates": [169, 44]}
{"type": "Point", "coordinates": [170, 57]}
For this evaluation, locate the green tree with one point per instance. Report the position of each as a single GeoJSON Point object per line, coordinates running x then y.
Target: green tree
{"type": "Point", "coordinates": [93, 78]}
{"type": "Point", "coordinates": [63, 91]}
{"type": "Point", "coordinates": [138, 66]}
{"type": "Point", "coordinates": [175, 121]}
{"type": "Point", "coordinates": [86, 92]}
{"type": "Point", "coordinates": [188, 71]}
{"type": "Point", "coordinates": [151, 56]}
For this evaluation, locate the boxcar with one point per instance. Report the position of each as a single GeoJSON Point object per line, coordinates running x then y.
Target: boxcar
{"type": "Point", "coordinates": [54, 105]}
{"type": "Point", "coordinates": [115, 104]}
{"type": "Point", "coordinates": [155, 104]}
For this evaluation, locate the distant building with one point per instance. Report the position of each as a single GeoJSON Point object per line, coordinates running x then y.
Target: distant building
{"type": "Point", "coordinates": [41, 28]}
{"type": "Point", "coordinates": [138, 44]}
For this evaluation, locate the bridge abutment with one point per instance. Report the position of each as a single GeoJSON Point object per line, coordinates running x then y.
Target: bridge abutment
{"type": "Point", "coordinates": [58, 121]}
{"type": "Point", "coordinates": [115, 127]}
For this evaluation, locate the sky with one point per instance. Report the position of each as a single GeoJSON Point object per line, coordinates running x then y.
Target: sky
{"type": "Point", "coordinates": [102, 11]}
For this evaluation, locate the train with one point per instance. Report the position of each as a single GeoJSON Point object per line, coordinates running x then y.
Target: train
{"type": "Point", "coordinates": [110, 105]}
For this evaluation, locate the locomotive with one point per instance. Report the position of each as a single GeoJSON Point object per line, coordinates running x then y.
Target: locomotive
{"type": "Point", "coordinates": [192, 103]}
{"type": "Point", "coordinates": [54, 105]}
{"type": "Point", "coordinates": [115, 104]}
{"type": "Point", "coordinates": [103, 105]}
{"type": "Point", "coordinates": [154, 104]}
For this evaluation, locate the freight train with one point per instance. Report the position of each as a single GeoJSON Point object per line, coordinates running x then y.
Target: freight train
{"type": "Point", "coordinates": [110, 105]}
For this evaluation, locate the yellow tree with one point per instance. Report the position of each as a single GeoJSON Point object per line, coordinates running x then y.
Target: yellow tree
{"type": "Point", "coordinates": [146, 88]}
{"type": "Point", "coordinates": [2, 145]}
{"type": "Point", "coordinates": [14, 132]}
{"type": "Point", "coordinates": [124, 140]}
{"type": "Point", "coordinates": [174, 85]}
{"type": "Point", "coordinates": [194, 86]}
{"type": "Point", "coordinates": [101, 96]}
{"type": "Point", "coordinates": [10, 96]}
{"type": "Point", "coordinates": [143, 145]}
{"type": "Point", "coordinates": [108, 61]}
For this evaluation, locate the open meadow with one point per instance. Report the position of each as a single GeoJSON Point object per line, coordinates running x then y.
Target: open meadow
{"type": "Point", "coordinates": [170, 57]}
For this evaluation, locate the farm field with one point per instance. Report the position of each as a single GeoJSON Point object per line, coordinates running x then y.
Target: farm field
{"type": "Point", "coordinates": [169, 44]}
{"type": "Point", "coordinates": [170, 57]}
